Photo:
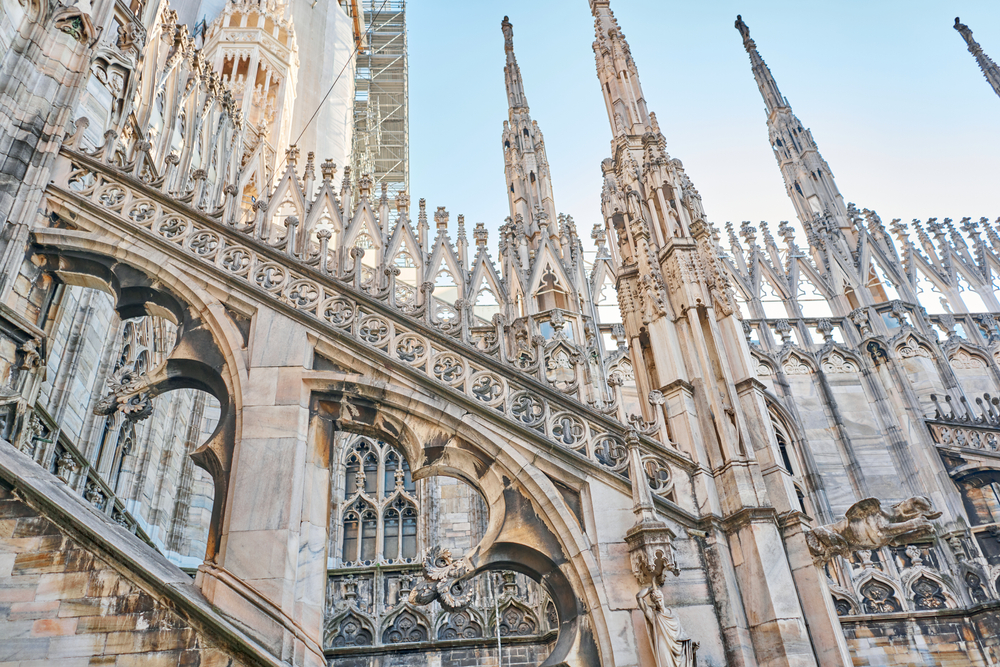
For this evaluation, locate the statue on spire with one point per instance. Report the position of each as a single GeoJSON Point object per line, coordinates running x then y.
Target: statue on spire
{"type": "Point", "coordinates": [990, 69]}
{"type": "Point", "coordinates": [508, 34]}
{"type": "Point", "coordinates": [743, 28]}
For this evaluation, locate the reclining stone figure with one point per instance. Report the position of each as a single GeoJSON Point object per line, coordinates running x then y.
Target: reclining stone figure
{"type": "Point", "coordinates": [867, 525]}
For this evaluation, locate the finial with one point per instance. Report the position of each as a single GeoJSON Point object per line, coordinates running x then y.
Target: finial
{"type": "Point", "coordinates": [292, 155]}
{"type": "Point", "coordinates": [403, 203]}
{"type": "Point", "coordinates": [328, 169]}
{"type": "Point", "coordinates": [365, 185]}
{"type": "Point", "coordinates": [441, 219]}
{"type": "Point", "coordinates": [481, 235]}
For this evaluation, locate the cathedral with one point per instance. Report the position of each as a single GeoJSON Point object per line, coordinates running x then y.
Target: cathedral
{"type": "Point", "coordinates": [261, 408]}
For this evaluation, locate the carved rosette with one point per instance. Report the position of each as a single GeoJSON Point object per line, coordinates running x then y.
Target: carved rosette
{"type": "Point", "coordinates": [651, 550]}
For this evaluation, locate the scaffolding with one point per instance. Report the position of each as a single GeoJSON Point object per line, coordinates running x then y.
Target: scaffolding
{"type": "Point", "coordinates": [381, 114]}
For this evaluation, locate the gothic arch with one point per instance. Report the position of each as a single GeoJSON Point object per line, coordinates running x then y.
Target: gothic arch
{"type": "Point", "coordinates": [796, 362]}
{"type": "Point", "coordinates": [437, 440]}
{"type": "Point", "coordinates": [203, 358]}
{"type": "Point", "coordinates": [871, 603]}
{"type": "Point", "coordinates": [461, 624]}
{"type": "Point", "coordinates": [912, 580]}
{"type": "Point", "coordinates": [840, 360]}
{"type": "Point", "coordinates": [405, 625]}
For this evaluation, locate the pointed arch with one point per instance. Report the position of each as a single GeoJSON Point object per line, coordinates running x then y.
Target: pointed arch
{"type": "Point", "coordinates": [286, 200]}
{"type": "Point", "coordinates": [405, 625]}
{"type": "Point", "coordinates": [840, 360]}
{"type": "Point", "coordinates": [486, 291]}
{"type": "Point", "coordinates": [549, 284]}
{"type": "Point", "coordinates": [797, 363]}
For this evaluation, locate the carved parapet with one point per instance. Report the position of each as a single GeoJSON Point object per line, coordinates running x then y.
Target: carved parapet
{"type": "Point", "coordinates": [866, 526]}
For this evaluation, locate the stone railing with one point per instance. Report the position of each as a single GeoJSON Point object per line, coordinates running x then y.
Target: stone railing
{"type": "Point", "coordinates": [369, 608]}
{"type": "Point", "coordinates": [40, 440]}
{"type": "Point", "coordinates": [910, 578]}
{"type": "Point", "coordinates": [480, 372]}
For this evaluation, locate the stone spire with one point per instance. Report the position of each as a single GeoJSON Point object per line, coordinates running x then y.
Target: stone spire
{"type": "Point", "coordinates": [773, 98]}
{"type": "Point", "coordinates": [529, 183]}
{"type": "Point", "coordinates": [687, 347]}
{"type": "Point", "coordinates": [990, 69]}
{"type": "Point", "coordinates": [626, 105]}
{"type": "Point", "coordinates": [512, 73]}
{"type": "Point", "coordinates": [808, 178]}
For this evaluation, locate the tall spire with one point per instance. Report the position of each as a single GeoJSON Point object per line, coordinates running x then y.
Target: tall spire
{"type": "Point", "coordinates": [529, 183]}
{"type": "Point", "coordinates": [990, 69]}
{"type": "Point", "coordinates": [808, 179]}
{"type": "Point", "coordinates": [512, 73]}
{"type": "Point", "coordinates": [626, 105]}
{"type": "Point", "coordinates": [761, 72]}
{"type": "Point", "coordinates": [687, 348]}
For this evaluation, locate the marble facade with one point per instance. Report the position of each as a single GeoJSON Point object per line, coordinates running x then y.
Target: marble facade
{"type": "Point", "coordinates": [254, 412]}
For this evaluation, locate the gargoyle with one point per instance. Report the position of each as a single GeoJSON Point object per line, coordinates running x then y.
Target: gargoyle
{"type": "Point", "coordinates": [867, 526]}
{"type": "Point", "coordinates": [445, 580]}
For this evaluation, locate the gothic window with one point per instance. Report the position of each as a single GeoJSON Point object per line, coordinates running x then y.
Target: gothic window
{"type": "Point", "coordinates": [380, 510]}
{"type": "Point", "coordinates": [364, 241]}
{"type": "Point", "coordinates": [445, 286]}
{"type": "Point", "coordinates": [486, 303]}
{"type": "Point", "coordinates": [551, 293]}
{"type": "Point", "coordinates": [789, 460]}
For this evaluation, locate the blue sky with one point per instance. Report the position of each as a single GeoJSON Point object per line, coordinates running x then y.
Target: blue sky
{"type": "Point", "coordinates": [896, 103]}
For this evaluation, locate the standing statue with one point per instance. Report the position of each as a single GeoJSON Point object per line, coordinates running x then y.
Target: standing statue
{"type": "Point", "coordinates": [671, 645]}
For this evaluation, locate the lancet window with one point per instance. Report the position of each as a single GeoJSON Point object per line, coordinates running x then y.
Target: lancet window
{"type": "Point", "coordinates": [380, 507]}
{"type": "Point", "coordinates": [789, 457]}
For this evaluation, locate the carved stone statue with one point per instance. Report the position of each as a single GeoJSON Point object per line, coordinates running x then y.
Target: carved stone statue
{"type": "Point", "coordinates": [671, 645]}
{"type": "Point", "coordinates": [867, 526]}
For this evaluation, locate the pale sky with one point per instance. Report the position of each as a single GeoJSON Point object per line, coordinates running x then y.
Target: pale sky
{"type": "Point", "coordinates": [897, 104]}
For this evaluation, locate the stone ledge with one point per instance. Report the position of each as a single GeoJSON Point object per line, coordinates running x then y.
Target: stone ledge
{"type": "Point", "coordinates": [145, 566]}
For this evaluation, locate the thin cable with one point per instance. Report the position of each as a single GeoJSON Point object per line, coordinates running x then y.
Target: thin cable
{"type": "Point", "coordinates": [357, 47]}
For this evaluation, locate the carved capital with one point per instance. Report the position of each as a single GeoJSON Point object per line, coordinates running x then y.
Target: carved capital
{"type": "Point", "coordinates": [651, 551]}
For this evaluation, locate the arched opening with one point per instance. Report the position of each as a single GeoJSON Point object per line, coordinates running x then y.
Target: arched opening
{"type": "Point", "coordinates": [142, 424]}
{"type": "Point", "coordinates": [382, 522]}
{"type": "Point", "coordinates": [136, 468]}
{"type": "Point", "coordinates": [538, 605]}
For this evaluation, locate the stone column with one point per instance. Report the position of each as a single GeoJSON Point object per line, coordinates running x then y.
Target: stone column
{"type": "Point", "coordinates": [271, 571]}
